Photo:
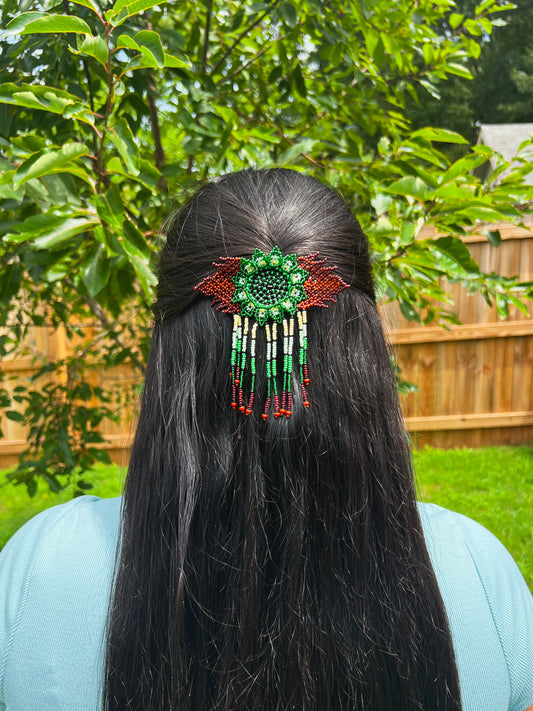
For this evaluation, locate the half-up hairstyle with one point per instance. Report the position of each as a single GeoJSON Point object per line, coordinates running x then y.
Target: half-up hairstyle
{"type": "Point", "coordinates": [268, 566]}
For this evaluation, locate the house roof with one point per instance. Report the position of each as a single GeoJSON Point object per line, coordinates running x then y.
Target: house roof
{"type": "Point", "coordinates": [506, 138]}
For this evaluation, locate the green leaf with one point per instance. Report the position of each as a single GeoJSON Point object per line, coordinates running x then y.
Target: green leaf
{"type": "Point", "coordinates": [8, 192]}
{"type": "Point", "coordinates": [85, 485]}
{"type": "Point", "coordinates": [31, 486]}
{"type": "Point", "coordinates": [407, 232]}
{"type": "Point", "coordinates": [148, 43]}
{"type": "Point", "coordinates": [409, 186]}
{"type": "Point", "coordinates": [484, 7]}
{"type": "Point", "coordinates": [486, 213]}
{"type": "Point", "coordinates": [382, 203]}
{"type": "Point", "coordinates": [306, 145]}
{"type": "Point", "coordinates": [459, 70]}
{"type": "Point", "coordinates": [151, 47]}
{"type": "Point", "coordinates": [95, 270]}
{"type": "Point", "coordinates": [14, 416]}
{"type": "Point", "coordinates": [95, 47]}
{"type": "Point", "coordinates": [502, 305]}
{"type": "Point", "coordinates": [57, 24]}
{"type": "Point", "coordinates": [374, 45]}
{"type": "Point", "coordinates": [519, 304]}
{"type": "Point", "coordinates": [452, 193]}
{"type": "Point", "coordinates": [408, 311]}
{"type": "Point", "coordinates": [10, 282]}
{"type": "Point", "coordinates": [494, 237]}
{"type": "Point", "coordinates": [46, 162]}
{"type": "Point", "coordinates": [172, 61]}
{"type": "Point", "coordinates": [298, 81]}
{"type": "Point", "coordinates": [289, 14]}
{"type": "Point", "coordinates": [33, 226]}
{"type": "Point", "coordinates": [428, 52]}
{"type": "Point", "coordinates": [455, 20]}
{"type": "Point", "coordinates": [70, 227]}
{"type": "Point", "coordinates": [16, 26]}
{"type": "Point", "coordinates": [133, 241]}
{"type": "Point", "coordinates": [430, 88]}
{"type": "Point", "coordinates": [149, 175]}
{"type": "Point", "coordinates": [454, 248]}
{"type": "Point", "coordinates": [145, 275]}
{"type": "Point", "coordinates": [122, 137]}
{"type": "Point", "coordinates": [90, 4]}
{"type": "Point", "coordinates": [439, 134]}
{"type": "Point", "coordinates": [109, 205]}
{"type": "Point", "coordinates": [128, 42]}
{"type": "Point", "coordinates": [463, 166]}
{"type": "Point", "coordinates": [45, 98]}
{"type": "Point", "coordinates": [123, 9]}
{"type": "Point", "coordinates": [100, 455]}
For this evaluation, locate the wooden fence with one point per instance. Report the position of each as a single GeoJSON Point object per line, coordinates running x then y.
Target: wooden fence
{"type": "Point", "coordinates": [475, 380]}
{"type": "Point", "coordinates": [46, 342]}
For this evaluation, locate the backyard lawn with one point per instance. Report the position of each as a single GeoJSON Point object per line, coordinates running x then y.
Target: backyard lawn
{"type": "Point", "coordinates": [493, 486]}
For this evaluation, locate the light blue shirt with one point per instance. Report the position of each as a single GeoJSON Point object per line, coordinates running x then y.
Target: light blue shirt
{"type": "Point", "coordinates": [55, 578]}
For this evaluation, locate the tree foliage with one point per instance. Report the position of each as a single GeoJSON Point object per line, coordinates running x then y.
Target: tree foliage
{"type": "Point", "coordinates": [111, 114]}
{"type": "Point", "coordinates": [502, 75]}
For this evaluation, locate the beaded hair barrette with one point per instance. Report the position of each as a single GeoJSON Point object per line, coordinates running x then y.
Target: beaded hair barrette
{"type": "Point", "coordinates": [267, 290]}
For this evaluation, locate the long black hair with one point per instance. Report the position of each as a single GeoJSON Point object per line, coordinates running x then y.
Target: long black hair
{"type": "Point", "coordinates": [275, 565]}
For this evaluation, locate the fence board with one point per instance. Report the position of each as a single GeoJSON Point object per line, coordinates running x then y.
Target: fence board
{"type": "Point", "coordinates": [482, 392]}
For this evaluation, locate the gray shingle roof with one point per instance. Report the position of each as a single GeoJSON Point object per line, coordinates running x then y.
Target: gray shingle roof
{"type": "Point", "coordinates": [505, 138]}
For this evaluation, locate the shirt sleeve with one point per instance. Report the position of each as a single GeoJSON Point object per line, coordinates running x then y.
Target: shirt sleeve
{"type": "Point", "coordinates": [511, 606]}
{"type": "Point", "coordinates": [18, 561]}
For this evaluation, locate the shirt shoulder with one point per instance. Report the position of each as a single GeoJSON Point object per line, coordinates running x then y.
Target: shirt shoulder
{"type": "Point", "coordinates": [485, 595]}
{"type": "Point", "coordinates": [50, 571]}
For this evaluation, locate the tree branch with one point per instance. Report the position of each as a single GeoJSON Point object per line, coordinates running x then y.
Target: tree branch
{"type": "Point", "coordinates": [101, 316]}
{"type": "Point", "coordinates": [108, 110]}
{"type": "Point", "coordinates": [247, 64]}
{"type": "Point", "coordinates": [159, 151]}
{"type": "Point", "coordinates": [241, 36]}
{"type": "Point", "coordinates": [206, 35]}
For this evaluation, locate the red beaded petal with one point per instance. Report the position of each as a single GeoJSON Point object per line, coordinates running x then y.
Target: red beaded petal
{"type": "Point", "coordinates": [322, 284]}
{"type": "Point", "coordinates": [220, 285]}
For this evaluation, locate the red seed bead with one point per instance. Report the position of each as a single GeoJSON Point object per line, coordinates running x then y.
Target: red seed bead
{"type": "Point", "coordinates": [288, 413]}
{"type": "Point", "coordinates": [306, 403]}
{"type": "Point", "coordinates": [282, 411]}
{"type": "Point", "coordinates": [248, 411]}
{"type": "Point", "coordinates": [277, 414]}
{"type": "Point", "coordinates": [242, 408]}
{"type": "Point", "coordinates": [234, 405]}
{"type": "Point", "coordinates": [264, 415]}
{"type": "Point", "coordinates": [306, 381]}
{"type": "Point", "coordinates": [237, 382]}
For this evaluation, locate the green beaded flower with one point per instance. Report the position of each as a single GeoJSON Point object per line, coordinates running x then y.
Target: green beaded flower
{"type": "Point", "coordinates": [269, 286]}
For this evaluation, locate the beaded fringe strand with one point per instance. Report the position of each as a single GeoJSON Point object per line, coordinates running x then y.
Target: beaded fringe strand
{"type": "Point", "coordinates": [302, 340]}
{"type": "Point", "coordinates": [242, 335]}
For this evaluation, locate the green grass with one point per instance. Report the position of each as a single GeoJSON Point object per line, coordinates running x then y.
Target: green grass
{"type": "Point", "coordinates": [493, 486]}
{"type": "Point", "coordinates": [16, 507]}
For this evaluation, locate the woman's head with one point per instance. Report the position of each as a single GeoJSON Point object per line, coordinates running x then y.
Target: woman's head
{"type": "Point", "coordinates": [241, 212]}
{"type": "Point", "coordinates": [232, 217]}
{"type": "Point", "coordinates": [278, 564]}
